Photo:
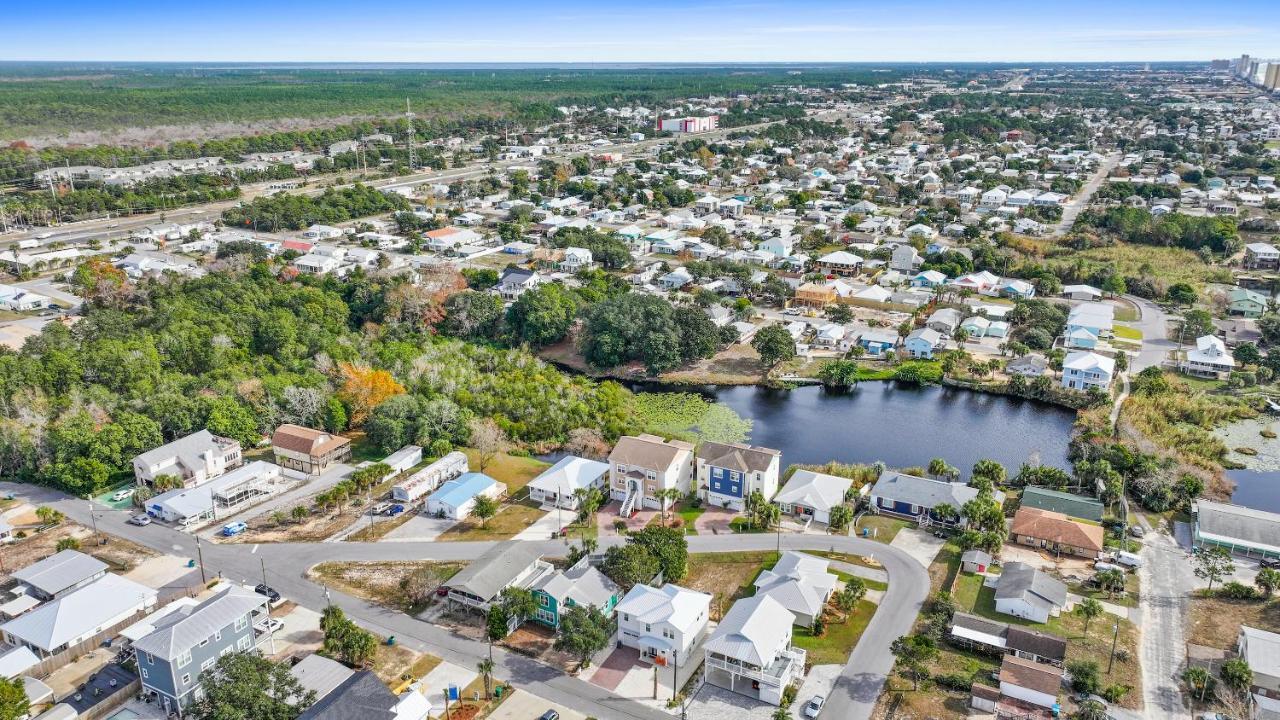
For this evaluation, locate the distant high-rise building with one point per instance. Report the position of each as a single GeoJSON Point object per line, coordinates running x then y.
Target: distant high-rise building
{"type": "Point", "coordinates": [1220, 65]}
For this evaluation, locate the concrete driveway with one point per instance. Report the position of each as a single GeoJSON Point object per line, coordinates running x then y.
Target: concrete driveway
{"type": "Point", "coordinates": [543, 527]}
{"type": "Point", "coordinates": [820, 680]}
{"type": "Point", "coordinates": [716, 703]}
{"type": "Point", "coordinates": [441, 677]}
{"type": "Point", "coordinates": [919, 544]}
{"type": "Point", "coordinates": [523, 706]}
{"type": "Point", "coordinates": [420, 528]}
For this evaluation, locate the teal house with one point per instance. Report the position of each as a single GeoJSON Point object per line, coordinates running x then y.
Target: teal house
{"type": "Point", "coordinates": [581, 584]}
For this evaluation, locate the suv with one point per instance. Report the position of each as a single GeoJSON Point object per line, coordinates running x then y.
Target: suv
{"type": "Point", "coordinates": [234, 528]}
{"type": "Point", "coordinates": [1270, 563]}
{"type": "Point", "coordinates": [264, 589]}
{"type": "Point", "coordinates": [140, 520]}
{"type": "Point", "coordinates": [550, 715]}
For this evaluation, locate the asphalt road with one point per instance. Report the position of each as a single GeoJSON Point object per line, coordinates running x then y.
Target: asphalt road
{"type": "Point", "coordinates": [1154, 323]}
{"type": "Point", "coordinates": [1076, 205]}
{"type": "Point", "coordinates": [1166, 587]}
{"type": "Point", "coordinates": [285, 565]}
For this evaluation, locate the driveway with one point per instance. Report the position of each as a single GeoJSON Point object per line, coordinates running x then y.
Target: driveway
{"type": "Point", "coordinates": [523, 706]}
{"type": "Point", "coordinates": [441, 677]}
{"type": "Point", "coordinates": [543, 527]}
{"type": "Point", "coordinates": [715, 521]}
{"type": "Point", "coordinates": [1166, 585]}
{"type": "Point", "coordinates": [716, 703]}
{"type": "Point", "coordinates": [1154, 324]}
{"type": "Point", "coordinates": [420, 528]}
{"type": "Point", "coordinates": [918, 544]}
{"type": "Point", "coordinates": [819, 682]}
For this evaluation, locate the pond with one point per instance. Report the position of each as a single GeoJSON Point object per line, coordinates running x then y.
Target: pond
{"type": "Point", "coordinates": [900, 424]}
{"type": "Point", "coordinates": [1258, 489]}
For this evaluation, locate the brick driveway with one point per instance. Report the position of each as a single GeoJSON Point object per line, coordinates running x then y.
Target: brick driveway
{"type": "Point", "coordinates": [611, 672]}
{"type": "Point", "coordinates": [715, 521]}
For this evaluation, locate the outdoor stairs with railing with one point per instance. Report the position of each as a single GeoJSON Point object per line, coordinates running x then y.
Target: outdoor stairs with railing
{"type": "Point", "coordinates": [629, 502]}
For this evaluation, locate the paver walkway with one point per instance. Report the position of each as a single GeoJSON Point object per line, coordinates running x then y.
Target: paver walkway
{"type": "Point", "coordinates": [610, 674]}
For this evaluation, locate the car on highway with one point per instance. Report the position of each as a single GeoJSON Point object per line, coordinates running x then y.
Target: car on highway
{"type": "Point", "coordinates": [124, 494]}
{"type": "Point", "coordinates": [140, 520]}
{"type": "Point", "coordinates": [814, 707]}
{"type": "Point", "coordinates": [264, 589]}
{"type": "Point", "coordinates": [233, 529]}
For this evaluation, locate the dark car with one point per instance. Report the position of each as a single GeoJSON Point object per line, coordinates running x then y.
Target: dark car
{"type": "Point", "coordinates": [1272, 563]}
{"type": "Point", "coordinates": [264, 589]}
{"type": "Point", "coordinates": [550, 715]}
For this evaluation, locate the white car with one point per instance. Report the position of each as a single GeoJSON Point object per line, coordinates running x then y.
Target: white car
{"type": "Point", "coordinates": [270, 625]}
{"type": "Point", "coordinates": [122, 495]}
{"type": "Point", "coordinates": [815, 706]}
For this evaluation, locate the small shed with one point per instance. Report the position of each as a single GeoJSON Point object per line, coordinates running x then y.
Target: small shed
{"type": "Point", "coordinates": [975, 561]}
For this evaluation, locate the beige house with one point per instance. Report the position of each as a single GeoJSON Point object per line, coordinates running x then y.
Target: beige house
{"type": "Point", "coordinates": [308, 451]}
{"type": "Point", "coordinates": [1056, 533]}
{"type": "Point", "coordinates": [641, 465]}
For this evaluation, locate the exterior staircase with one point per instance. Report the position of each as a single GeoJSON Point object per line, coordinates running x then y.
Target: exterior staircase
{"type": "Point", "coordinates": [629, 503]}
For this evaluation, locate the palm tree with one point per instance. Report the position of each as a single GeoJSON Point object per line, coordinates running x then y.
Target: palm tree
{"type": "Point", "coordinates": [1089, 609]}
{"type": "Point", "coordinates": [1198, 680]}
{"type": "Point", "coordinates": [485, 667]}
{"type": "Point", "coordinates": [667, 495]}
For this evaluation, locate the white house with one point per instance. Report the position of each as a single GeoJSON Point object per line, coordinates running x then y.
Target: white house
{"type": "Point", "coordinates": [728, 473]}
{"type": "Point", "coordinates": [78, 616]}
{"type": "Point", "coordinates": [1028, 593]}
{"type": "Point", "coordinates": [1084, 370]}
{"type": "Point", "coordinates": [575, 259]}
{"type": "Point", "coordinates": [457, 498]}
{"type": "Point", "coordinates": [664, 624]}
{"type": "Point", "coordinates": [750, 650]}
{"type": "Point", "coordinates": [1261, 649]}
{"type": "Point", "coordinates": [557, 484]}
{"type": "Point", "coordinates": [800, 582]}
{"type": "Point", "coordinates": [641, 465]}
{"type": "Point", "coordinates": [812, 495]}
{"type": "Point", "coordinates": [1210, 358]}
{"type": "Point", "coordinates": [218, 496]}
{"type": "Point", "coordinates": [195, 458]}
{"type": "Point", "coordinates": [1030, 682]}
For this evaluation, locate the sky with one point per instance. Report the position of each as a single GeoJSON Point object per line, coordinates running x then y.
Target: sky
{"type": "Point", "coordinates": [642, 31]}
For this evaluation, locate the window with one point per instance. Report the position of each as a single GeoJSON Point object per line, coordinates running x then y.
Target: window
{"type": "Point", "coordinates": [544, 601]}
{"type": "Point", "coordinates": [204, 666]}
{"type": "Point", "coordinates": [144, 673]}
{"type": "Point", "coordinates": [226, 651]}
{"type": "Point", "coordinates": [244, 643]}
{"type": "Point", "coordinates": [151, 659]}
{"type": "Point", "coordinates": [204, 642]}
{"type": "Point", "coordinates": [198, 693]}
{"type": "Point", "coordinates": [242, 623]}
{"type": "Point", "coordinates": [184, 659]}
{"type": "Point", "coordinates": [217, 635]}
{"type": "Point", "coordinates": [186, 678]}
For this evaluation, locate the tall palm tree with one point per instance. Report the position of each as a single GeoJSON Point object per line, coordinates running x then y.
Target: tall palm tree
{"type": "Point", "coordinates": [485, 667]}
{"type": "Point", "coordinates": [667, 497]}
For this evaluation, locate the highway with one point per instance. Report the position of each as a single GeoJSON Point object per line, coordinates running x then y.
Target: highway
{"type": "Point", "coordinates": [853, 697]}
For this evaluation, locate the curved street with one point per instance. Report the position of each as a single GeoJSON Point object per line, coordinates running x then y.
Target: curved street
{"type": "Point", "coordinates": [285, 566]}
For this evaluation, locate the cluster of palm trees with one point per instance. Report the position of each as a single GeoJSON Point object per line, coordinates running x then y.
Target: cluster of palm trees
{"type": "Point", "coordinates": [360, 481]}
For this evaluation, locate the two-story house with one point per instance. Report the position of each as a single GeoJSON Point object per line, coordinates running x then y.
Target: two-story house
{"type": "Point", "coordinates": [507, 564]}
{"type": "Point", "coordinates": [308, 451]}
{"type": "Point", "coordinates": [195, 458]}
{"type": "Point", "coordinates": [580, 585]}
{"type": "Point", "coordinates": [516, 281]}
{"type": "Point", "coordinates": [1210, 358]}
{"type": "Point", "coordinates": [729, 472]}
{"type": "Point", "coordinates": [1083, 370]}
{"type": "Point", "coordinates": [1261, 256]}
{"type": "Point", "coordinates": [664, 624]}
{"type": "Point", "coordinates": [188, 642]}
{"type": "Point", "coordinates": [750, 650]}
{"type": "Point", "coordinates": [641, 465]}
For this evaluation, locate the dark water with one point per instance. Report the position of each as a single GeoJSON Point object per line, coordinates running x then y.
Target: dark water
{"type": "Point", "coordinates": [1256, 489]}
{"type": "Point", "coordinates": [900, 424]}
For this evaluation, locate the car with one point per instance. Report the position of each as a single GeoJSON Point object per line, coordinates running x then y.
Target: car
{"type": "Point", "coordinates": [1137, 531]}
{"type": "Point", "coordinates": [122, 495]}
{"type": "Point", "coordinates": [814, 706]}
{"type": "Point", "coordinates": [1270, 563]}
{"type": "Point", "coordinates": [233, 529]}
{"type": "Point", "coordinates": [264, 589]}
{"type": "Point", "coordinates": [269, 625]}
{"type": "Point", "coordinates": [550, 715]}
{"type": "Point", "coordinates": [140, 520]}
{"type": "Point", "coordinates": [394, 510]}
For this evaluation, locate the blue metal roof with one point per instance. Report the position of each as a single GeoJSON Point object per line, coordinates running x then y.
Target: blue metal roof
{"type": "Point", "coordinates": [461, 489]}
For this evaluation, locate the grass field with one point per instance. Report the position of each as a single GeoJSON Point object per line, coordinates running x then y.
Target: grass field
{"type": "Point", "coordinates": [514, 470]}
{"type": "Point", "coordinates": [1215, 622]}
{"type": "Point", "coordinates": [839, 638]}
{"type": "Point", "coordinates": [727, 576]}
{"type": "Point", "coordinates": [1123, 332]}
{"type": "Point", "coordinates": [1172, 265]}
{"type": "Point", "coordinates": [883, 529]}
{"type": "Point", "coordinates": [377, 581]}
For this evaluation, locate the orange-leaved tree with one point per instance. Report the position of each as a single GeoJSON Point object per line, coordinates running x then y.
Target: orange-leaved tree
{"type": "Point", "coordinates": [365, 388]}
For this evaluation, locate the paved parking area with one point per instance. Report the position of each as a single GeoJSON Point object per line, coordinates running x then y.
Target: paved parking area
{"type": "Point", "coordinates": [161, 572]}
{"type": "Point", "coordinates": [543, 527]}
{"type": "Point", "coordinates": [523, 706]}
{"type": "Point", "coordinates": [716, 703]}
{"type": "Point", "coordinates": [820, 680]}
{"type": "Point", "coordinates": [919, 544]}
{"type": "Point", "coordinates": [444, 675]}
{"type": "Point", "coordinates": [419, 528]}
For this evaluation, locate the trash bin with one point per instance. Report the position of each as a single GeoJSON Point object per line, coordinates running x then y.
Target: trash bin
{"type": "Point", "coordinates": [391, 640]}
{"type": "Point", "coordinates": [497, 691]}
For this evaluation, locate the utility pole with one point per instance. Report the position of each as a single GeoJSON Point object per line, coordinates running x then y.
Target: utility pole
{"type": "Point", "coordinates": [408, 114]}
{"type": "Point", "coordinates": [200, 555]}
{"type": "Point", "coordinates": [271, 631]}
{"type": "Point", "coordinates": [1115, 635]}
{"type": "Point", "coordinates": [94, 517]}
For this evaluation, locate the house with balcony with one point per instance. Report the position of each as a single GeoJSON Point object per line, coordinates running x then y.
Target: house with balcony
{"type": "Point", "coordinates": [185, 644]}
{"type": "Point", "coordinates": [750, 651]}
{"type": "Point", "coordinates": [308, 451]}
{"type": "Point", "coordinates": [641, 465]}
{"type": "Point", "coordinates": [516, 281]}
{"type": "Point", "coordinates": [511, 563]}
{"type": "Point", "coordinates": [729, 472]}
{"type": "Point", "coordinates": [664, 624]}
{"type": "Point", "coordinates": [1210, 358]}
{"type": "Point", "coordinates": [1261, 256]}
{"type": "Point", "coordinates": [559, 484]}
{"type": "Point", "coordinates": [195, 458]}
{"type": "Point", "coordinates": [1083, 370]}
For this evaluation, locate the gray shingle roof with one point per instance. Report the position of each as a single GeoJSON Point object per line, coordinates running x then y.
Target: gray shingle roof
{"type": "Point", "coordinates": [1019, 580]}
{"type": "Point", "coordinates": [743, 458]}
{"type": "Point", "coordinates": [488, 574]}
{"type": "Point", "coordinates": [184, 629]}
{"type": "Point", "coordinates": [361, 697]}
{"type": "Point", "coordinates": [925, 492]}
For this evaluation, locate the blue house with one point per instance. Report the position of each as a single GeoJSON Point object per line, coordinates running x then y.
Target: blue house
{"type": "Point", "coordinates": [187, 642]}
{"type": "Point", "coordinates": [915, 498]}
{"type": "Point", "coordinates": [1081, 338]}
{"type": "Point", "coordinates": [729, 472]}
{"type": "Point", "coordinates": [581, 585]}
{"type": "Point", "coordinates": [928, 279]}
{"type": "Point", "coordinates": [922, 342]}
{"type": "Point", "coordinates": [878, 342]}
{"type": "Point", "coordinates": [456, 498]}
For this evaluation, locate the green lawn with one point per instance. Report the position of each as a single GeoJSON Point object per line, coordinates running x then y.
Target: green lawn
{"type": "Point", "coordinates": [514, 470]}
{"type": "Point", "coordinates": [689, 515]}
{"type": "Point", "coordinates": [1124, 332]}
{"type": "Point", "coordinates": [1125, 312]}
{"type": "Point", "coordinates": [509, 521]}
{"type": "Point", "coordinates": [870, 584]}
{"type": "Point", "coordinates": [838, 640]}
{"type": "Point", "coordinates": [743, 525]}
{"type": "Point", "coordinates": [883, 529]}
{"type": "Point", "coordinates": [967, 589]}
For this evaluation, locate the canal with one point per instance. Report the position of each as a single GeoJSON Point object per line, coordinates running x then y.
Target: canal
{"type": "Point", "coordinates": [900, 424]}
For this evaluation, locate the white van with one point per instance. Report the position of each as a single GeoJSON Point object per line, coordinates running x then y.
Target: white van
{"type": "Point", "coordinates": [1128, 559]}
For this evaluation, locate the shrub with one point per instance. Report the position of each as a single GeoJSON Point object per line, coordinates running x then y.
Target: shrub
{"type": "Point", "coordinates": [1114, 693]}
{"type": "Point", "coordinates": [954, 681]}
{"type": "Point", "coordinates": [1234, 590]}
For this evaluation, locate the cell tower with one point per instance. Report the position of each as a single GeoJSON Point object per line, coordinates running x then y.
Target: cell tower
{"type": "Point", "coordinates": [408, 114]}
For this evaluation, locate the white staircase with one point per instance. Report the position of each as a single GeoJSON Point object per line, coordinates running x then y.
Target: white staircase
{"type": "Point", "coordinates": [629, 502]}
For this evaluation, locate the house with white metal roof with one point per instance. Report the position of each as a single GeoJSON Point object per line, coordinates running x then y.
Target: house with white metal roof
{"type": "Point", "coordinates": [800, 582]}
{"type": "Point", "coordinates": [665, 623]}
{"type": "Point", "coordinates": [750, 650]}
{"type": "Point", "coordinates": [66, 621]}
{"type": "Point", "coordinates": [556, 486]}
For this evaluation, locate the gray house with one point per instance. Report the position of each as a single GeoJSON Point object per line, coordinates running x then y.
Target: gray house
{"type": "Point", "coordinates": [60, 574]}
{"type": "Point", "coordinates": [187, 643]}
